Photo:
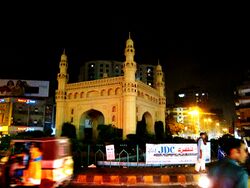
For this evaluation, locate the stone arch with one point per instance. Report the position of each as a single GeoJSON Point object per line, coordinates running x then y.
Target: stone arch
{"type": "Point", "coordinates": [69, 95]}
{"type": "Point", "coordinates": [110, 91]}
{"type": "Point", "coordinates": [82, 94]}
{"type": "Point", "coordinates": [76, 95]}
{"type": "Point", "coordinates": [147, 96]}
{"type": "Point", "coordinates": [147, 117]}
{"type": "Point", "coordinates": [118, 91]}
{"type": "Point", "coordinates": [92, 93]}
{"type": "Point", "coordinates": [103, 92]}
{"type": "Point", "coordinates": [89, 122]}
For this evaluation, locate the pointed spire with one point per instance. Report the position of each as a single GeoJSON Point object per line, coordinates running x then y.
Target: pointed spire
{"type": "Point", "coordinates": [64, 56]}
{"type": "Point", "coordinates": [158, 67]}
{"type": "Point", "coordinates": [129, 50]}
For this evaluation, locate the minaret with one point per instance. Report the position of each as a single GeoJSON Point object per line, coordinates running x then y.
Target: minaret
{"type": "Point", "coordinates": [160, 86]}
{"type": "Point", "coordinates": [159, 83]}
{"type": "Point", "coordinates": [129, 90]}
{"type": "Point", "coordinates": [129, 66]}
{"type": "Point", "coordinates": [62, 78]}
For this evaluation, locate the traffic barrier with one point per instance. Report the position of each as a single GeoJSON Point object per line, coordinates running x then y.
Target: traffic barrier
{"type": "Point", "coordinates": [114, 179]}
{"type": "Point", "coordinates": [81, 178]}
{"type": "Point", "coordinates": [138, 179]}
{"type": "Point", "coordinates": [165, 179]}
{"type": "Point", "coordinates": [131, 180]}
{"type": "Point", "coordinates": [98, 179]}
{"type": "Point", "coordinates": [181, 179]}
{"type": "Point", "coordinates": [148, 179]}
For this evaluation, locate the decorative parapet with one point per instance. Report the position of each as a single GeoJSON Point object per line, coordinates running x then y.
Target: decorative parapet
{"type": "Point", "coordinates": [95, 83]}
{"type": "Point", "coordinates": [142, 87]}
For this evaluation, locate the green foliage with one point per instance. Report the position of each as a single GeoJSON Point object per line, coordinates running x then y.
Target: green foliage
{"type": "Point", "coordinates": [108, 133]}
{"type": "Point", "coordinates": [141, 130]}
{"type": "Point", "coordinates": [159, 131]}
{"type": "Point", "coordinates": [69, 130]}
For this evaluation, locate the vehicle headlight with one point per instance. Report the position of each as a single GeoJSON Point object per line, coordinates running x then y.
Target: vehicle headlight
{"type": "Point", "coordinates": [204, 181]}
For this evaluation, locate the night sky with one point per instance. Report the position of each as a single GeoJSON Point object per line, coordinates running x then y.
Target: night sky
{"type": "Point", "coordinates": [206, 50]}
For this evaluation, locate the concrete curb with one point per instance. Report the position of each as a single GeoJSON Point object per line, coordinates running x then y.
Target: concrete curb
{"type": "Point", "coordinates": [176, 179]}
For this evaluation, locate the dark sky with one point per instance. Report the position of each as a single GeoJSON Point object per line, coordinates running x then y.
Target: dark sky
{"type": "Point", "coordinates": [206, 49]}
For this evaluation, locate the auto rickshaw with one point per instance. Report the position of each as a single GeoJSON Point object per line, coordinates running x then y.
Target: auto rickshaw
{"type": "Point", "coordinates": [40, 162]}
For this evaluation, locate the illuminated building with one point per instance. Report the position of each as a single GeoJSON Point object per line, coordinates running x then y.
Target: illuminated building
{"type": "Point", "coordinates": [191, 96]}
{"type": "Point", "coordinates": [93, 70]}
{"type": "Point", "coordinates": [31, 110]}
{"type": "Point", "coordinates": [22, 114]}
{"type": "Point", "coordinates": [121, 101]}
{"type": "Point", "coordinates": [191, 110]}
{"type": "Point", "coordinates": [242, 107]}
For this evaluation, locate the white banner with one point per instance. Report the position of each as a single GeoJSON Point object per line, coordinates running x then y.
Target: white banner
{"type": "Point", "coordinates": [174, 153]}
{"type": "Point", "coordinates": [110, 152]}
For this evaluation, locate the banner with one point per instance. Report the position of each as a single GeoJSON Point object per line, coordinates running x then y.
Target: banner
{"type": "Point", "coordinates": [110, 152]}
{"type": "Point", "coordinates": [174, 153]}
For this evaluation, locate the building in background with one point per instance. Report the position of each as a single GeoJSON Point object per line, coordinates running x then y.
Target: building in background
{"type": "Point", "coordinates": [191, 109]}
{"type": "Point", "coordinates": [94, 70]}
{"type": "Point", "coordinates": [242, 108]}
{"type": "Point", "coordinates": [191, 96]}
{"type": "Point", "coordinates": [25, 106]}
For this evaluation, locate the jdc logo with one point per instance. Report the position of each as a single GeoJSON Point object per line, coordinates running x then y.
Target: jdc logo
{"type": "Point", "coordinates": [166, 149]}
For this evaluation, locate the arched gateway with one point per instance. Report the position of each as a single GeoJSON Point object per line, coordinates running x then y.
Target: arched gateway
{"type": "Point", "coordinates": [120, 101]}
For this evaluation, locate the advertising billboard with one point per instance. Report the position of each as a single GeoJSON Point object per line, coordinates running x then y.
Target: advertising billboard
{"type": "Point", "coordinates": [184, 153]}
{"type": "Point", "coordinates": [24, 88]}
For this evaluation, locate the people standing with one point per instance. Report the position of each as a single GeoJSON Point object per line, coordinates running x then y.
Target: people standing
{"type": "Point", "coordinates": [34, 171]}
{"type": "Point", "coordinates": [201, 146]}
{"type": "Point", "coordinates": [228, 172]}
{"type": "Point", "coordinates": [18, 89]}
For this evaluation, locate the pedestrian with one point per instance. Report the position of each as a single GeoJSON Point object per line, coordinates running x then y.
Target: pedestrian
{"type": "Point", "coordinates": [201, 146]}
{"type": "Point", "coordinates": [228, 172]}
{"type": "Point", "coordinates": [34, 172]}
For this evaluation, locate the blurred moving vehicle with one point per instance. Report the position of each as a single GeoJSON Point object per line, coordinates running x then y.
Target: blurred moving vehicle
{"type": "Point", "coordinates": [44, 162]}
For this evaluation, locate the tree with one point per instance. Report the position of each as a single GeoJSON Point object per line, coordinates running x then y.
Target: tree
{"type": "Point", "coordinates": [174, 127]}
{"type": "Point", "coordinates": [159, 131]}
{"type": "Point", "coordinates": [108, 133]}
{"type": "Point", "coordinates": [69, 130]}
{"type": "Point", "coordinates": [141, 130]}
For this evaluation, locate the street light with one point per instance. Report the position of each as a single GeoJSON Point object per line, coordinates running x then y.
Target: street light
{"type": "Point", "coordinates": [195, 113]}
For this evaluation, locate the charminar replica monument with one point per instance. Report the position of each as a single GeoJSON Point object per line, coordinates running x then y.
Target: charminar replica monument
{"type": "Point", "coordinates": [120, 101]}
